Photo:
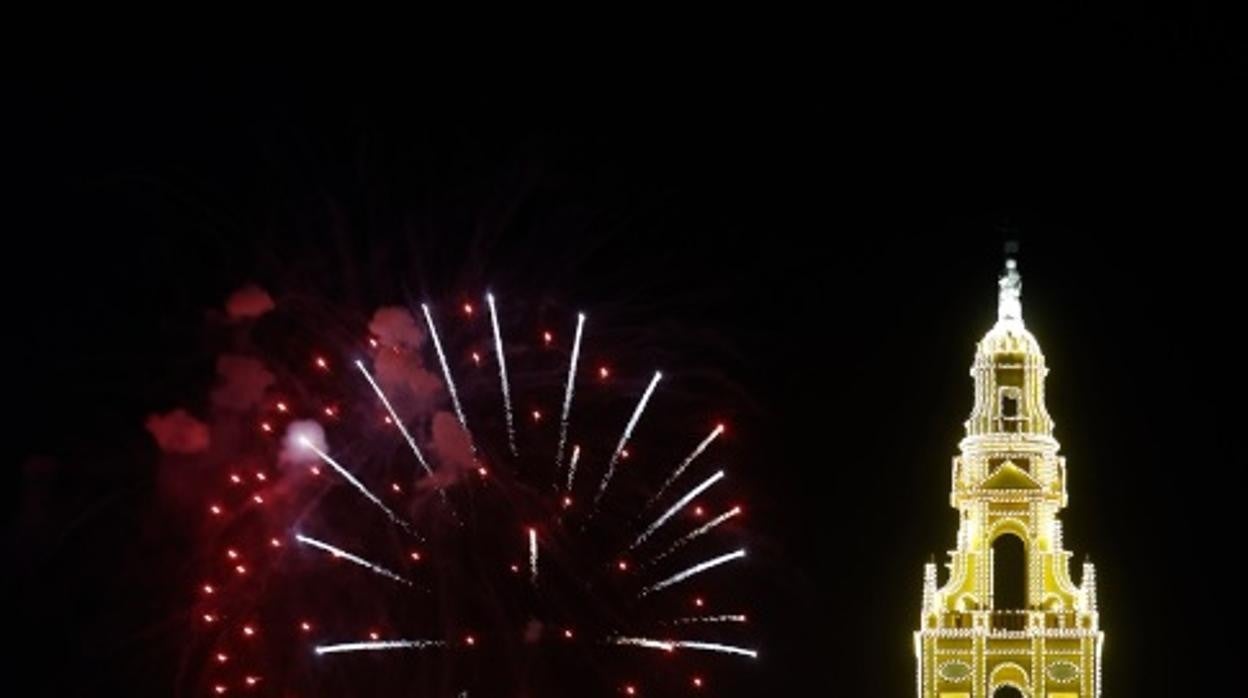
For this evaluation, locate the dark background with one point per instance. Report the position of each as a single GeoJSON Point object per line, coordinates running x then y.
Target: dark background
{"type": "Point", "coordinates": [824, 224]}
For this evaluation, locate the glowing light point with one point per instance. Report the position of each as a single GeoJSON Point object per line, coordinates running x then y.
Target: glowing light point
{"type": "Point", "coordinates": [220, 689]}
{"type": "Point", "coordinates": [415, 555]}
{"type": "Point", "coordinates": [604, 372]}
{"type": "Point", "coordinates": [252, 680]}
{"type": "Point", "coordinates": [266, 427]}
{"type": "Point", "coordinates": [249, 630]}
{"type": "Point", "coordinates": [222, 658]}
{"type": "Point", "coordinates": [547, 337]}
{"type": "Point", "coordinates": [470, 641]}
{"type": "Point", "coordinates": [215, 509]}
{"type": "Point", "coordinates": [305, 626]}
{"type": "Point", "coordinates": [208, 589]}
{"type": "Point", "coordinates": [274, 542]}
{"type": "Point", "coordinates": [236, 479]}
{"type": "Point", "coordinates": [697, 682]}
{"type": "Point", "coordinates": [321, 363]}
{"type": "Point", "coordinates": [281, 407]}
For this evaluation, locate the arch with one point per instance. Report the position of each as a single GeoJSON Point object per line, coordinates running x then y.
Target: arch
{"type": "Point", "coordinates": [1006, 525]}
{"type": "Point", "coordinates": [1009, 572]}
{"type": "Point", "coordinates": [1007, 676]}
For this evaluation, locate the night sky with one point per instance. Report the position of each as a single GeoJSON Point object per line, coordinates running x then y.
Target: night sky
{"type": "Point", "coordinates": [822, 229]}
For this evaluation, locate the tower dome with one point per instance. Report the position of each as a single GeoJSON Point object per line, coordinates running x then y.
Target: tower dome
{"type": "Point", "coordinates": [1009, 372]}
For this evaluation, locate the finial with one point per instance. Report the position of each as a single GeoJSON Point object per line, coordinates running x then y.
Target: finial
{"type": "Point", "coordinates": [1009, 298]}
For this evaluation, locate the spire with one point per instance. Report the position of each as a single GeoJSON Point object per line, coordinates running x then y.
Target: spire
{"type": "Point", "coordinates": [1009, 298]}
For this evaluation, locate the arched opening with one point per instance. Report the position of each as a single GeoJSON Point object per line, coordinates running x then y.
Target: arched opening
{"type": "Point", "coordinates": [1009, 573]}
{"type": "Point", "coordinates": [1007, 692]}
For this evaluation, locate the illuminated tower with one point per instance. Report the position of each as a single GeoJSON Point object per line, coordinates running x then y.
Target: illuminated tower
{"type": "Point", "coordinates": [978, 636]}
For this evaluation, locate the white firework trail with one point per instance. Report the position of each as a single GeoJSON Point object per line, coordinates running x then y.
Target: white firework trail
{"type": "Point", "coordinates": [533, 555]}
{"type": "Point", "coordinates": [646, 642]}
{"type": "Point", "coordinates": [724, 618]}
{"type": "Point", "coordinates": [446, 373]}
{"type": "Point", "coordinates": [346, 474]}
{"type": "Point", "coordinates": [719, 429]}
{"type": "Point", "coordinates": [672, 645]}
{"type": "Point", "coordinates": [378, 645]}
{"type": "Point", "coordinates": [628, 432]}
{"type": "Point", "coordinates": [695, 534]}
{"type": "Point", "coordinates": [395, 417]}
{"type": "Point", "coordinates": [502, 373]}
{"type": "Point", "coordinates": [568, 391]}
{"type": "Point", "coordinates": [576, 456]}
{"type": "Point", "coordinates": [696, 569]}
{"type": "Point", "coordinates": [340, 553]}
{"type": "Point", "coordinates": [715, 647]}
{"type": "Point", "coordinates": [675, 508]}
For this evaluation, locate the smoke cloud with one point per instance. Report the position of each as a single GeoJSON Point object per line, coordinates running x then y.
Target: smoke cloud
{"type": "Point", "coordinates": [250, 301]}
{"type": "Point", "coordinates": [178, 432]}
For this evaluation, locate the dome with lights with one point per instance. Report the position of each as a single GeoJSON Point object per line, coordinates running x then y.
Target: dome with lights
{"type": "Point", "coordinates": [1009, 335]}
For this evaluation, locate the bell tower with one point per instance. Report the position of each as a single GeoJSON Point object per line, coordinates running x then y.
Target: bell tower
{"type": "Point", "coordinates": [981, 636]}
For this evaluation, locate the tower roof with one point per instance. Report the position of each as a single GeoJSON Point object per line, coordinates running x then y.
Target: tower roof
{"type": "Point", "coordinates": [1009, 335]}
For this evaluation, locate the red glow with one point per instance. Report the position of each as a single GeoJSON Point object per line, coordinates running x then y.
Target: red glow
{"type": "Point", "coordinates": [699, 602]}
{"type": "Point", "coordinates": [697, 682]}
{"type": "Point", "coordinates": [252, 680]}
{"type": "Point", "coordinates": [374, 636]}
{"type": "Point", "coordinates": [209, 618]}
{"type": "Point", "coordinates": [515, 568]}
{"type": "Point", "coordinates": [261, 476]}
{"type": "Point", "coordinates": [257, 499]}
{"type": "Point", "coordinates": [630, 689]}
{"type": "Point", "coordinates": [470, 641]}
{"type": "Point", "coordinates": [567, 502]}
{"type": "Point", "coordinates": [240, 569]}
{"type": "Point", "coordinates": [305, 626]}
{"type": "Point", "coordinates": [721, 427]}
{"type": "Point", "coordinates": [622, 565]}
{"type": "Point", "coordinates": [232, 554]}
{"type": "Point", "coordinates": [316, 470]}
{"type": "Point", "coordinates": [215, 509]}
{"type": "Point", "coordinates": [467, 308]}
{"type": "Point", "coordinates": [388, 420]}
{"type": "Point", "coordinates": [249, 630]}
{"type": "Point", "coordinates": [281, 407]}
{"type": "Point", "coordinates": [372, 342]}
{"type": "Point", "coordinates": [567, 633]}
{"type": "Point", "coordinates": [219, 689]}
{"type": "Point", "coordinates": [268, 428]}
{"type": "Point", "coordinates": [330, 411]}
{"type": "Point", "coordinates": [604, 372]}
{"type": "Point", "coordinates": [537, 415]}
{"type": "Point", "coordinates": [208, 589]}
{"type": "Point", "coordinates": [275, 542]}
{"type": "Point", "coordinates": [624, 453]}
{"type": "Point", "coordinates": [482, 471]}
{"type": "Point", "coordinates": [476, 358]}
{"type": "Point", "coordinates": [698, 511]}
{"type": "Point", "coordinates": [235, 478]}
{"type": "Point", "coordinates": [395, 486]}
{"type": "Point", "coordinates": [222, 659]}
{"type": "Point", "coordinates": [547, 337]}
{"type": "Point", "coordinates": [321, 363]}
{"type": "Point", "coordinates": [415, 555]}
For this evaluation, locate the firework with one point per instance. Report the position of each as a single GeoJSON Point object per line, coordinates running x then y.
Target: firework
{"type": "Point", "coordinates": [484, 574]}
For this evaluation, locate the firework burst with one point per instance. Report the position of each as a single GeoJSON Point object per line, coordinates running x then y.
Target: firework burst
{"type": "Point", "coordinates": [383, 546]}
